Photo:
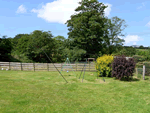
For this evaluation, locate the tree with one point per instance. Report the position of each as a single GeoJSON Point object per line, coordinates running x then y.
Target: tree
{"type": "Point", "coordinates": [38, 40]}
{"type": "Point", "coordinates": [92, 31]}
{"type": "Point", "coordinates": [65, 48]}
{"type": "Point", "coordinates": [127, 51]}
{"type": "Point", "coordinates": [115, 26]}
{"type": "Point", "coordinates": [22, 43]}
{"type": "Point", "coordinates": [59, 49]}
{"type": "Point", "coordinates": [141, 47]}
{"type": "Point", "coordinates": [74, 54]}
{"type": "Point", "coordinates": [87, 28]}
{"type": "Point", "coordinates": [16, 39]}
{"type": "Point", "coordinates": [5, 49]}
{"type": "Point", "coordinates": [59, 38]}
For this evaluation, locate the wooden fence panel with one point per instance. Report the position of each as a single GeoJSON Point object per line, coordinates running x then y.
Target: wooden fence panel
{"type": "Point", "coordinates": [15, 66]}
{"type": "Point", "coordinates": [4, 65]}
{"type": "Point", "coordinates": [69, 67]}
{"type": "Point", "coordinates": [40, 66]}
{"type": "Point", "coordinates": [27, 67]}
{"type": "Point", "coordinates": [45, 66]}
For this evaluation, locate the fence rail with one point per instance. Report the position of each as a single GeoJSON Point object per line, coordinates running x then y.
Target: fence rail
{"type": "Point", "coordinates": [44, 66]}
{"type": "Point", "coordinates": [50, 67]}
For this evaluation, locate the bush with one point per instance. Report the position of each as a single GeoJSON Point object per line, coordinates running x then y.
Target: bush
{"type": "Point", "coordinates": [103, 65]}
{"type": "Point", "coordinates": [127, 51]}
{"type": "Point", "coordinates": [122, 68]}
{"type": "Point", "coordinates": [138, 58]}
{"type": "Point", "coordinates": [147, 68]}
{"type": "Point", "coordinates": [142, 53]}
{"type": "Point", "coordinates": [147, 58]}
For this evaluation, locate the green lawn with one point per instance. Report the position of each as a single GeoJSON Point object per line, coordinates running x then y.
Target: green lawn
{"type": "Point", "coordinates": [47, 92]}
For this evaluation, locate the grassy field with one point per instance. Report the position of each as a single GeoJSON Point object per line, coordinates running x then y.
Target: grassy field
{"type": "Point", "coordinates": [47, 92]}
{"type": "Point", "coordinates": [142, 49]}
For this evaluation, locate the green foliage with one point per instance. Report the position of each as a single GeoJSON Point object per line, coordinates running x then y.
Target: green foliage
{"type": "Point", "coordinates": [141, 47]}
{"type": "Point", "coordinates": [138, 58]}
{"type": "Point", "coordinates": [142, 53]}
{"type": "Point", "coordinates": [40, 40]}
{"type": "Point", "coordinates": [65, 48]}
{"type": "Point", "coordinates": [22, 44]}
{"type": "Point", "coordinates": [59, 49]}
{"type": "Point", "coordinates": [127, 51]}
{"type": "Point", "coordinates": [147, 68]}
{"type": "Point", "coordinates": [103, 65]}
{"type": "Point", "coordinates": [75, 54]}
{"type": "Point", "coordinates": [90, 29]}
{"type": "Point", "coordinates": [18, 57]}
{"type": "Point", "coordinates": [5, 49]}
{"type": "Point", "coordinates": [115, 26]}
{"type": "Point", "coordinates": [16, 39]}
{"type": "Point", "coordinates": [84, 26]}
{"type": "Point", "coordinates": [122, 68]}
{"type": "Point", "coordinates": [60, 39]}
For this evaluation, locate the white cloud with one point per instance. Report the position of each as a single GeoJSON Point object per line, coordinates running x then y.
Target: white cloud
{"type": "Point", "coordinates": [143, 4]}
{"type": "Point", "coordinates": [132, 38]}
{"type": "Point", "coordinates": [108, 9]}
{"type": "Point", "coordinates": [60, 10]}
{"type": "Point", "coordinates": [21, 9]}
{"type": "Point", "coordinates": [148, 24]}
{"type": "Point", "coordinates": [134, 43]}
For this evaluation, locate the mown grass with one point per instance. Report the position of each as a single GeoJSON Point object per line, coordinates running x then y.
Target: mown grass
{"type": "Point", "coordinates": [47, 92]}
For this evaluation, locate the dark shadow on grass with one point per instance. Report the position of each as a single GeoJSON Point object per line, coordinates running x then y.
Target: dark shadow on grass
{"type": "Point", "coordinates": [130, 79]}
{"type": "Point", "coordinates": [146, 78]}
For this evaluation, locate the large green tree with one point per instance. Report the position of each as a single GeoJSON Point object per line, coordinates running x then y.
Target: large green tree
{"type": "Point", "coordinates": [65, 48]}
{"type": "Point", "coordinates": [22, 43]}
{"type": "Point", "coordinates": [40, 40]}
{"type": "Point", "coordinates": [87, 27]}
{"type": "Point", "coordinates": [16, 39]}
{"type": "Point", "coordinates": [92, 31]}
{"type": "Point", "coordinates": [59, 49]}
{"type": "Point", "coordinates": [115, 26]}
{"type": "Point", "coordinates": [5, 49]}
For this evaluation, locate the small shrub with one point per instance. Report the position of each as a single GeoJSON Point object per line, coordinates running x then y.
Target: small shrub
{"type": "Point", "coordinates": [103, 65]}
{"type": "Point", "coordinates": [142, 53]}
{"type": "Point", "coordinates": [122, 68]}
{"type": "Point", "coordinates": [138, 58]}
{"type": "Point", "coordinates": [147, 68]}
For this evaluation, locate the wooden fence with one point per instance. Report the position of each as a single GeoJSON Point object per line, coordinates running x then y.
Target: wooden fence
{"type": "Point", "coordinates": [143, 71]}
{"type": "Point", "coordinates": [44, 66]}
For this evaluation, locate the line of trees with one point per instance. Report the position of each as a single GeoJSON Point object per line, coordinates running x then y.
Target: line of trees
{"type": "Point", "coordinates": [91, 34]}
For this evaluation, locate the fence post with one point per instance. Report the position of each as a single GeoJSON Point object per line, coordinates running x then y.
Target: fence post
{"type": "Point", "coordinates": [136, 71]}
{"type": "Point", "coordinates": [89, 66]}
{"type": "Point", "coordinates": [34, 66]}
{"type": "Point", "coordinates": [143, 72]}
{"type": "Point", "coordinates": [9, 66]}
{"type": "Point", "coordinates": [76, 66]}
{"type": "Point", "coordinates": [21, 66]}
{"type": "Point", "coordinates": [47, 67]}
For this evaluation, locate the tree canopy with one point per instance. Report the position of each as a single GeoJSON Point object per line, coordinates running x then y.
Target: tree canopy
{"type": "Point", "coordinates": [90, 34]}
{"type": "Point", "coordinates": [5, 49]}
{"type": "Point", "coordinates": [91, 30]}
